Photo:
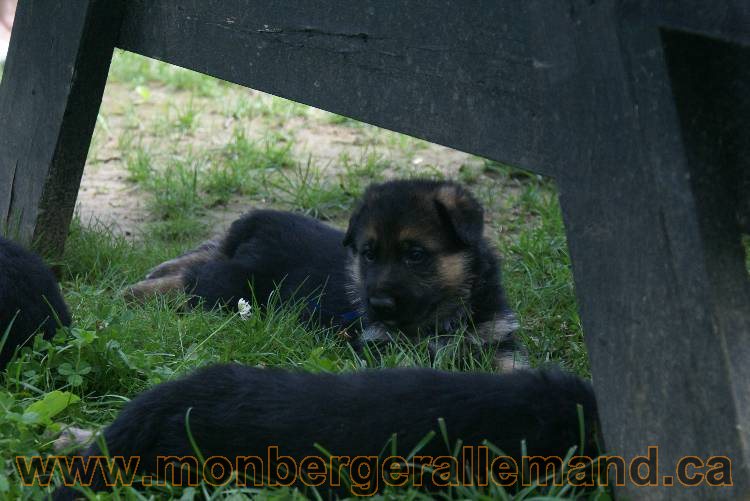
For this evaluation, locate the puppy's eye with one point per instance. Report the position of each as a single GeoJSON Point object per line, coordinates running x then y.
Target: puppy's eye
{"type": "Point", "coordinates": [415, 255]}
{"type": "Point", "coordinates": [368, 254]}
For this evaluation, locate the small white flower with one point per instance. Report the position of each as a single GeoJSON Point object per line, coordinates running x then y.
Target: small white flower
{"type": "Point", "coordinates": [244, 308]}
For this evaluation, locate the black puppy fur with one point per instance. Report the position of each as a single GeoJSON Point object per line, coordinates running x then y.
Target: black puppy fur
{"type": "Point", "coordinates": [413, 259]}
{"type": "Point", "coordinates": [241, 411]}
{"type": "Point", "coordinates": [302, 256]}
{"type": "Point", "coordinates": [30, 298]}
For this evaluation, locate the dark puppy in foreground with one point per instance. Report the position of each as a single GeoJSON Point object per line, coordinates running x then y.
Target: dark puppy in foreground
{"type": "Point", "coordinates": [30, 299]}
{"type": "Point", "coordinates": [236, 411]}
{"type": "Point", "coordinates": [413, 259]}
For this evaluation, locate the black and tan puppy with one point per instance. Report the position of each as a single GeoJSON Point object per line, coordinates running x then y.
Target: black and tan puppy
{"type": "Point", "coordinates": [30, 299]}
{"type": "Point", "coordinates": [413, 259]}
{"type": "Point", "coordinates": [419, 261]}
{"type": "Point", "coordinates": [237, 411]}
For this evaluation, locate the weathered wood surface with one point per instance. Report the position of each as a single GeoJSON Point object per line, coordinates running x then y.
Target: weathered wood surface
{"type": "Point", "coordinates": [475, 77]}
{"type": "Point", "coordinates": [644, 127]}
{"type": "Point", "coordinates": [51, 91]}
{"type": "Point", "coordinates": [659, 271]}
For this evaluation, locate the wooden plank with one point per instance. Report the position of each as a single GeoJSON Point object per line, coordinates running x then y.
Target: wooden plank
{"type": "Point", "coordinates": [711, 87]}
{"type": "Point", "coordinates": [663, 300]}
{"type": "Point", "coordinates": [478, 77]}
{"type": "Point", "coordinates": [51, 91]}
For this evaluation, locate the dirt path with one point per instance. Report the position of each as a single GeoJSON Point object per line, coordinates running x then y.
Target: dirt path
{"type": "Point", "coordinates": [108, 197]}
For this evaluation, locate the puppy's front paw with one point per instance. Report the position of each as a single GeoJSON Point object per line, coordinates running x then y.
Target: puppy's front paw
{"type": "Point", "coordinates": [375, 332]}
{"type": "Point", "coordinates": [72, 438]}
{"type": "Point", "coordinates": [511, 358]}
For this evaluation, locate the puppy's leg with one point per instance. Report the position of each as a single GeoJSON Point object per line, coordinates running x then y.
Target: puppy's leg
{"type": "Point", "coordinates": [510, 356]}
{"type": "Point", "coordinates": [127, 441]}
{"type": "Point", "coordinates": [499, 333]}
{"type": "Point", "coordinates": [223, 283]}
{"type": "Point", "coordinates": [167, 277]}
{"type": "Point", "coordinates": [147, 288]}
{"type": "Point", "coordinates": [72, 438]}
{"type": "Point", "coordinates": [206, 251]}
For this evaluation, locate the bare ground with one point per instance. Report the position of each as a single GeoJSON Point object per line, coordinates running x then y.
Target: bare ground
{"type": "Point", "coordinates": [108, 197]}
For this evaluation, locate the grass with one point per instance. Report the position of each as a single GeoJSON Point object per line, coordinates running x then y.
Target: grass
{"type": "Point", "coordinates": [194, 146]}
{"type": "Point", "coordinates": [116, 350]}
{"type": "Point", "coordinates": [272, 108]}
{"type": "Point", "coordinates": [306, 189]}
{"type": "Point", "coordinates": [139, 72]}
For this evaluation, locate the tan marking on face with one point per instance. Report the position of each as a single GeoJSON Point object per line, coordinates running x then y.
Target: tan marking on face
{"type": "Point", "coordinates": [147, 288]}
{"type": "Point", "coordinates": [453, 270]}
{"type": "Point", "coordinates": [412, 234]}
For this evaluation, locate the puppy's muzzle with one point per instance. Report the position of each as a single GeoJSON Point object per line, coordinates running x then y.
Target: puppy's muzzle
{"type": "Point", "coordinates": [383, 306]}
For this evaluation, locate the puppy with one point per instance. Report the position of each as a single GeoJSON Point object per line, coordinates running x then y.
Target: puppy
{"type": "Point", "coordinates": [420, 263]}
{"type": "Point", "coordinates": [233, 410]}
{"type": "Point", "coordinates": [30, 299]}
{"type": "Point", "coordinates": [413, 260]}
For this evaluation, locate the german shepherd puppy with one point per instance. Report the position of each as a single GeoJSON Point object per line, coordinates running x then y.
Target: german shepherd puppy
{"type": "Point", "coordinates": [413, 259]}
{"type": "Point", "coordinates": [234, 410]}
{"type": "Point", "coordinates": [30, 299]}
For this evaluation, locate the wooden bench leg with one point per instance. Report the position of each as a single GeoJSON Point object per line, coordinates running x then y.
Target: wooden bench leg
{"type": "Point", "coordinates": [666, 326]}
{"type": "Point", "coordinates": [658, 265]}
{"type": "Point", "coordinates": [52, 88]}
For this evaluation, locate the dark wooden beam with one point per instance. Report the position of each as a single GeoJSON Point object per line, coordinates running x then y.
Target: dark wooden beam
{"type": "Point", "coordinates": [659, 271]}
{"type": "Point", "coordinates": [479, 77]}
{"type": "Point", "coordinates": [53, 82]}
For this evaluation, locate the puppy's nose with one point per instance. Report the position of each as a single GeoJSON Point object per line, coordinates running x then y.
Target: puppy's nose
{"type": "Point", "coordinates": [382, 304]}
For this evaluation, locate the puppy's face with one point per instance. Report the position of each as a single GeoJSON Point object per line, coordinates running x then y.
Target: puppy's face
{"type": "Point", "coordinates": [412, 246]}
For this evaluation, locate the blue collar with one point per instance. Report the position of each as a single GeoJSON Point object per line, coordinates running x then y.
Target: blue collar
{"type": "Point", "coordinates": [346, 317]}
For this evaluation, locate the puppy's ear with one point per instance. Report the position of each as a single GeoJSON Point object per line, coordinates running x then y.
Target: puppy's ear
{"type": "Point", "coordinates": [351, 231]}
{"type": "Point", "coordinates": [460, 211]}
